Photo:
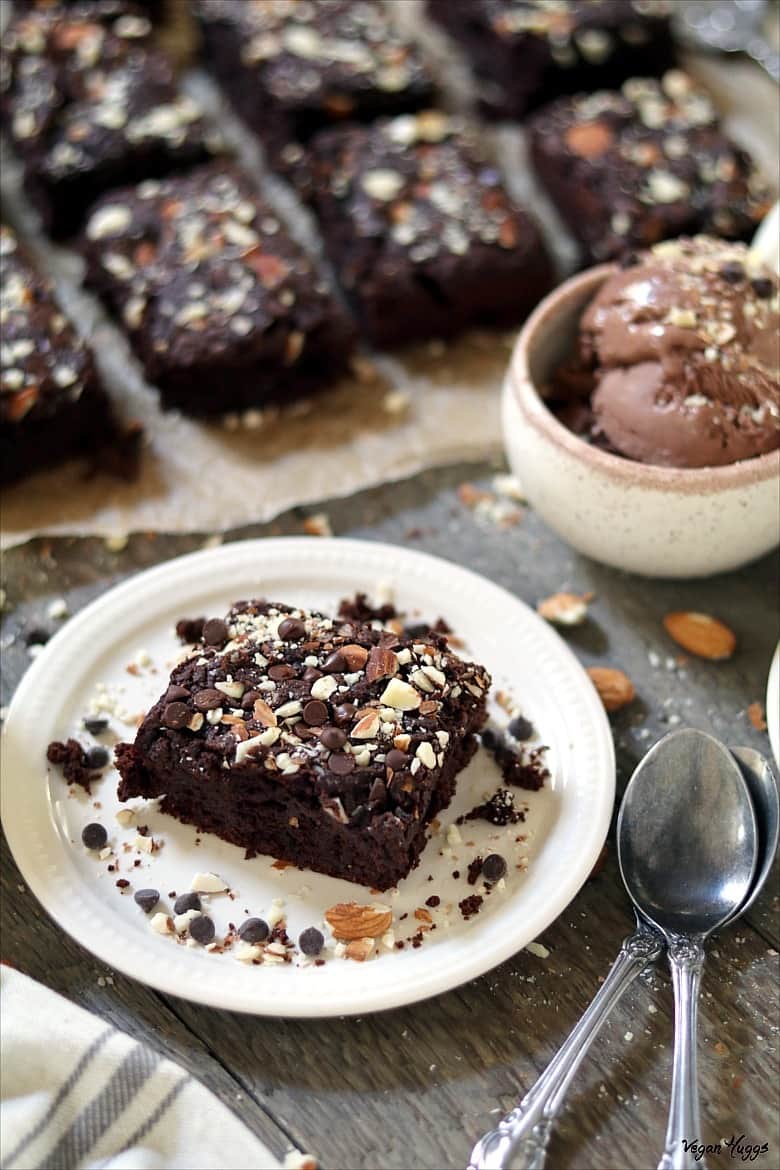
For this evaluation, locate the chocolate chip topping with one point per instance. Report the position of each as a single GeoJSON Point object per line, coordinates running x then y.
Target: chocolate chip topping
{"type": "Point", "coordinates": [202, 930]}
{"type": "Point", "coordinates": [146, 899]}
{"type": "Point", "coordinates": [493, 868]}
{"type": "Point", "coordinates": [254, 930]}
{"type": "Point", "coordinates": [208, 699]}
{"type": "Point", "coordinates": [311, 941]}
{"type": "Point", "coordinates": [315, 713]}
{"type": "Point", "coordinates": [335, 663]}
{"type": "Point", "coordinates": [176, 715]}
{"type": "Point", "coordinates": [333, 738]}
{"type": "Point", "coordinates": [215, 632]}
{"type": "Point", "coordinates": [292, 630]}
{"type": "Point", "coordinates": [396, 760]}
{"type": "Point", "coordinates": [94, 836]}
{"type": "Point", "coordinates": [185, 902]}
{"type": "Point", "coordinates": [341, 764]}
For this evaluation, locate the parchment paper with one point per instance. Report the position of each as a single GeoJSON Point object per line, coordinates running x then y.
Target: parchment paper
{"type": "Point", "coordinates": [428, 406]}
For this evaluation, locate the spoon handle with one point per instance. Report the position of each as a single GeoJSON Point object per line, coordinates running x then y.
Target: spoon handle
{"type": "Point", "coordinates": [530, 1124]}
{"type": "Point", "coordinates": [686, 959]}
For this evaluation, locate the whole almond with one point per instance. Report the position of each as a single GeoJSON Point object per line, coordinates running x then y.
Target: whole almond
{"type": "Point", "coordinates": [615, 688]}
{"type": "Point", "coordinates": [355, 656]}
{"type": "Point", "coordinates": [701, 634]}
{"type": "Point", "coordinates": [350, 920]}
{"type": "Point", "coordinates": [359, 949]}
{"type": "Point", "coordinates": [382, 663]}
{"type": "Point", "coordinates": [563, 609]}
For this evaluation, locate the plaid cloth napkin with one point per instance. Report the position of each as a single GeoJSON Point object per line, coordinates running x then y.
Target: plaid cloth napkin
{"type": "Point", "coordinates": [75, 1094]}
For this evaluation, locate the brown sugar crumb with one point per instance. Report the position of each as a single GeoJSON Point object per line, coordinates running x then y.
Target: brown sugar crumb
{"type": "Point", "coordinates": [470, 906]}
{"type": "Point", "coordinates": [71, 758]}
{"type": "Point", "coordinates": [498, 810]}
{"type": "Point", "coordinates": [190, 629]}
{"type": "Point", "coordinates": [475, 869]}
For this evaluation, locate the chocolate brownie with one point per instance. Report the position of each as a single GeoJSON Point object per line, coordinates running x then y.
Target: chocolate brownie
{"type": "Point", "coordinates": [527, 52]}
{"type": "Point", "coordinates": [424, 238]}
{"type": "Point", "coordinates": [291, 68]}
{"type": "Point", "coordinates": [154, 9]}
{"type": "Point", "coordinates": [323, 742]}
{"type": "Point", "coordinates": [224, 309]}
{"type": "Point", "coordinates": [52, 404]}
{"type": "Point", "coordinates": [632, 167]}
{"type": "Point", "coordinates": [90, 105]}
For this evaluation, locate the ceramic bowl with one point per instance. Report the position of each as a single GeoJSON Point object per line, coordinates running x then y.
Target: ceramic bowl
{"type": "Point", "coordinates": [656, 521]}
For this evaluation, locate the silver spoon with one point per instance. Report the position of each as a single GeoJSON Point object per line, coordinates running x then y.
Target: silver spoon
{"type": "Point", "coordinates": [522, 1136]}
{"type": "Point", "coordinates": [687, 850]}
{"type": "Point", "coordinates": [729, 26]}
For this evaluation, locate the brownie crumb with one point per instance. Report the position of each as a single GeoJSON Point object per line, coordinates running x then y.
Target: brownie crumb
{"type": "Point", "coordinates": [526, 771]}
{"type": "Point", "coordinates": [71, 758]}
{"type": "Point", "coordinates": [358, 609]}
{"type": "Point", "coordinates": [433, 901]}
{"type": "Point", "coordinates": [474, 870]}
{"type": "Point", "coordinates": [190, 629]}
{"type": "Point", "coordinates": [470, 906]}
{"type": "Point", "coordinates": [498, 810]}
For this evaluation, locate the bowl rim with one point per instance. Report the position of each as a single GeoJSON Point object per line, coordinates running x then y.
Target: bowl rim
{"type": "Point", "coordinates": [627, 472]}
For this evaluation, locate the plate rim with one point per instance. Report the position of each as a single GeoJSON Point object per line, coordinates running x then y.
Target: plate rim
{"type": "Point", "coordinates": [162, 977]}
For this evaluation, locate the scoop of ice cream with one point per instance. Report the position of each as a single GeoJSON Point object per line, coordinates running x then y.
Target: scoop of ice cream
{"type": "Point", "coordinates": [685, 350]}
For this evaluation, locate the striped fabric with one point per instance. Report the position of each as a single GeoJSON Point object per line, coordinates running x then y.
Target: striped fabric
{"type": "Point", "coordinates": [77, 1094]}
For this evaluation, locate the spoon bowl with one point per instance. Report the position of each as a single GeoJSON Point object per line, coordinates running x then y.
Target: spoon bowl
{"type": "Point", "coordinates": [765, 795]}
{"type": "Point", "coordinates": [687, 835]}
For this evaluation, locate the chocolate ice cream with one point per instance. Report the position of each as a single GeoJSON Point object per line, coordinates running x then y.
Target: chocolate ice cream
{"type": "Point", "coordinates": [679, 358]}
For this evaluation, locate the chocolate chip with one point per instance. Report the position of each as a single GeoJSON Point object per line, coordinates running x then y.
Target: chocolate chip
{"type": "Point", "coordinates": [185, 902]}
{"type": "Point", "coordinates": [315, 713]}
{"type": "Point", "coordinates": [291, 630]}
{"type": "Point", "coordinates": [202, 930]}
{"type": "Point", "coordinates": [176, 694]}
{"type": "Point", "coordinates": [520, 729]}
{"type": "Point", "coordinates": [311, 674]}
{"type": "Point", "coordinates": [208, 699]}
{"type": "Point", "coordinates": [95, 726]}
{"type": "Point", "coordinates": [493, 868]}
{"type": "Point", "coordinates": [280, 671]}
{"type": "Point", "coordinates": [94, 836]}
{"type": "Point", "coordinates": [732, 272]}
{"type": "Point", "coordinates": [176, 715]}
{"type": "Point", "coordinates": [341, 764]}
{"type": "Point", "coordinates": [378, 793]}
{"type": "Point", "coordinates": [433, 901]}
{"type": "Point", "coordinates": [335, 663]}
{"type": "Point", "coordinates": [254, 930]}
{"type": "Point", "coordinates": [146, 899]}
{"type": "Point", "coordinates": [489, 738]}
{"type": "Point", "coordinates": [344, 712]}
{"type": "Point", "coordinates": [333, 738]}
{"type": "Point", "coordinates": [396, 760]}
{"type": "Point", "coordinates": [311, 941]}
{"type": "Point", "coordinates": [762, 286]}
{"type": "Point", "coordinates": [215, 632]}
{"type": "Point", "coordinates": [96, 757]}
{"type": "Point", "coordinates": [190, 629]}
{"type": "Point", "coordinates": [36, 636]}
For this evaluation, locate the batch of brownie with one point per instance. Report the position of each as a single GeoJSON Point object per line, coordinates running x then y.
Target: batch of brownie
{"type": "Point", "coordinates": [226, 312]}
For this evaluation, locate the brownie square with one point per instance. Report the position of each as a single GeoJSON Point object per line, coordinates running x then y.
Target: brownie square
{"type": "Point", "coordinates": [223, 308]}
{"type": "Point", "coordinates": [646, 163]}
{"type": "Point", "coordinates": [89, 105]}
{"type": "Point", "coordinates": [424, 238]}
{"type": "Point", "coordinates": [525, 53]}
{"type": "Point", "coordinates": [52, 404]}
{"type": "Point", "coordinates": [291, 69]}
{"type": "Point", "coordinates": [328, 743]}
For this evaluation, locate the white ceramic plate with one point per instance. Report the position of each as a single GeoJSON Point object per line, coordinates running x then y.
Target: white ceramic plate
{"type": "Point", "coordinates": [559, 842]}
{"type": "Point", "coordinates": [773, 705]}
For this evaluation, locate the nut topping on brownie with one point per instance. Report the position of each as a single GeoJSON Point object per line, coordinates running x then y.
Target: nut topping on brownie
{"type": "Point", "coordinates": [281, 737]}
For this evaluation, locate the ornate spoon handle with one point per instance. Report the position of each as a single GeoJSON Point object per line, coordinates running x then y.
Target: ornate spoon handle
{"type": "Point", "coordinates": [521, 1137]}
{"type": "Point", "coordinates": [686, 959]}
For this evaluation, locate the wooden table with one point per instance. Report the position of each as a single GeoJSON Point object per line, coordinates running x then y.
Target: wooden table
{"type": "Point", "coordinates": [415, 1087]}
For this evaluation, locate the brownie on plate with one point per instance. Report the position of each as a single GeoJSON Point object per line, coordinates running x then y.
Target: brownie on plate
{"type": "Point", "coordinates": [224, 309]}
{"type": "Point", "coordinates": [52, 404]}
{"type": "Point", "coordinates": [292, 68]}
{"type": "Point", "coordinates": [631, 167]}
{"type": "Point", "coordinates": [328, 743]}
{"type": "Point", "coordinates": [424, 238]}
{"type": "Point", "coordinates": [89, 105]}
{"type": "Point", "coordinates": [527, 52]}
